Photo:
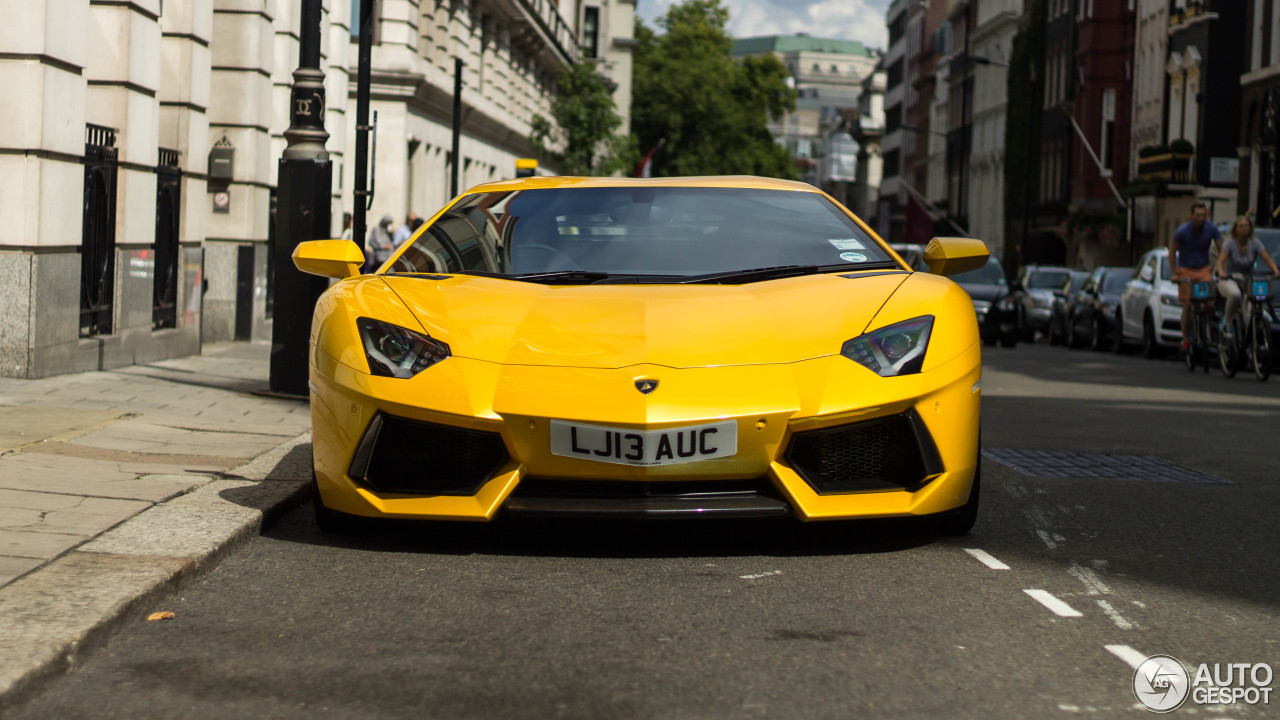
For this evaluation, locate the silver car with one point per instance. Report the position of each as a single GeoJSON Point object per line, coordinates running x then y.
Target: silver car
{"type": "Point", "coordinates": [1035, 301]}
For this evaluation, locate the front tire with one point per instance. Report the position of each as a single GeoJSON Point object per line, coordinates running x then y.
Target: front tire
{"type": "Point", "coordinates": [1229, 349]}
{"type": "Point", "coordinates": [958, 522]}
{"type": "Point", "coordinates": [330, 521]}
{"type": "Point", "coordinates": [1261, 348]}
{"type": "Point", "coordinates": [1150, 348]}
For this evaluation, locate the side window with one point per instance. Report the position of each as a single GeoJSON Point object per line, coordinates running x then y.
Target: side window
{"type": "Point", "coordinates": [460, 240]}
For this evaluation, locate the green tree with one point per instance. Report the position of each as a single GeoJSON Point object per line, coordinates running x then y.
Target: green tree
{"type": "Point", "coordinates": [585, 125]}
{"type": "Point", "coordinates": [711, 110]}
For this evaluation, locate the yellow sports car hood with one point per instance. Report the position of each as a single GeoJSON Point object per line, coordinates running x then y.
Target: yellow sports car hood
{"type": "Point", "coordinates": [614, 326]}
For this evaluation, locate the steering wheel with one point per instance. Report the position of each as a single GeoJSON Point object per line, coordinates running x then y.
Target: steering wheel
{"type": "Point", "coordinates": [553, 260]}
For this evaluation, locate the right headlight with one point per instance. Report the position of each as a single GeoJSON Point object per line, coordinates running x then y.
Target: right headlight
{"type": "Point", "coordinates": [393, 351]}
{"type": "Point", "coordinates": [894, 350]}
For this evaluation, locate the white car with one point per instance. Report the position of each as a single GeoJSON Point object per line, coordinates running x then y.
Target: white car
{"type": "Point", "coordinates": [1149, 308]}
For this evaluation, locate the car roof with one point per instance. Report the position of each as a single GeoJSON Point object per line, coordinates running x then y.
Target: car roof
{"type": "Point", "coordinates": [707, 181]}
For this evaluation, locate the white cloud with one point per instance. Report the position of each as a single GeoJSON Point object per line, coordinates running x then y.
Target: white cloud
{"type": "Point", "coordinates": [846, 19]}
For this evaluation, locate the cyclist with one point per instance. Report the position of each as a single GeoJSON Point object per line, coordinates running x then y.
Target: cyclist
{"type": "Point", "coordinates": [1189, 258]}
{"type": "Point", "coordinates": [1238, 256]}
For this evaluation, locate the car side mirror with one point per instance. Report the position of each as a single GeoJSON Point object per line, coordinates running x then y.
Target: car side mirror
{"type": "Point", "coordinates": [952, 255]}
{"type": "Point", "coordinates": [329, 258]}
{"type": "Point", "coordinates": [1146, 274]}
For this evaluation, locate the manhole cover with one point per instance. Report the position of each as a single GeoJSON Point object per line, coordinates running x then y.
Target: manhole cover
{"type": "Point", "coordinates": [1110, 466]}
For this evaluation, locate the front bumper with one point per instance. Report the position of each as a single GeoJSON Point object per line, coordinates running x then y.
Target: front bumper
{"type": "Point", "coordinates": [773, 405]}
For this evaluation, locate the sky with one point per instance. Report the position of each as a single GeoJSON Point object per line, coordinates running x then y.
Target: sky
{"type": "Point", "coordinates": [845, 19]}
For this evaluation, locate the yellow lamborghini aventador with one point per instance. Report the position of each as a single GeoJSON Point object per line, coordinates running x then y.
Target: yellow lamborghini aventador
{"type": "Point", "coordinates": [729, 347]}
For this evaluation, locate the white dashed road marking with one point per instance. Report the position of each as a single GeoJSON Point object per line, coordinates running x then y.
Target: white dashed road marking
{"type": "Point", "coordinates": [1132, 657]}
{"type": "Point", "coordinates": [1121, 621]}
{"type": "Point", "coordinates": [1058, 607]}
{"type": "Point", "coordinates": [757, 576]}
{"type": "Point", "coordinates": [985, 558]}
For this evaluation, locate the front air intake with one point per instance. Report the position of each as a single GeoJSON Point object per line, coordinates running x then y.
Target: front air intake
{"type": "Point", "coordinates": [889, 453]}
{"type": "Point", "coordinates": [399, 455]}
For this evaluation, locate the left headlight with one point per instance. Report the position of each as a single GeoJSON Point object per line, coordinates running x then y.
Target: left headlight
{"type": "Point", "coordinates": [894, 350]}
{"type": "Point", "coordinates": [393, 351]}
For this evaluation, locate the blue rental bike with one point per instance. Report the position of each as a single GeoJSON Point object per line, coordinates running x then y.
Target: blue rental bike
{"type": "Point", "coordinates": [1200, 325]}
{"type": "Point", "coordinates": [1247, 334]}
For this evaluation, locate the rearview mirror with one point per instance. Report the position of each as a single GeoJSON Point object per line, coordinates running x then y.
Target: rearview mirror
{"type": "Point", "coordinates": [1146, 274]}
{"type": "Point", "coordinates": [952, 255]}
{"type": "Point", "coordinates": [329, 258]}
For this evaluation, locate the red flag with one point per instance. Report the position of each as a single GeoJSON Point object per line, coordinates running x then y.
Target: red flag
{"type": "Point", "coordinates": [645, 168]}
{"type": "Point", "coordinates": [919, 229]}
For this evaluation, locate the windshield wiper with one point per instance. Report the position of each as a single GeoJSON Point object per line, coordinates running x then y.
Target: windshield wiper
{"type": "Point", "coordinates": [586, 276]}
{"type": "Point", "coordinates": [735, 277]}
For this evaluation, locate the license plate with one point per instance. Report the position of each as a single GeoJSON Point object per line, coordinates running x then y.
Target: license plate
{"type": "Point", "coordinates": [620, 446]}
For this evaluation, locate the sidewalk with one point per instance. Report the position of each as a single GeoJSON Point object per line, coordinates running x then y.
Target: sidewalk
{"type": "Point", "coordinates": [117, 486]}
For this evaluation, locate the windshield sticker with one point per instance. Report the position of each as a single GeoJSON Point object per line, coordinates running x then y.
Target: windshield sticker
{"type": "Point", "coordinates": [846, 244]}
{"type": "Point", "coordinates": [853, 257]}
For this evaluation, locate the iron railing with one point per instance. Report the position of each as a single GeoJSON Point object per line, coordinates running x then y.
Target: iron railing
{"type": "Point", "coordinates": [164, 312]}
{"type": "Point", "coordinates": [98, 236]}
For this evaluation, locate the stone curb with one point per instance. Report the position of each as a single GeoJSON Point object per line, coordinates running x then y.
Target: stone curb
{"type": "Point", "coordinates": [55, 617]}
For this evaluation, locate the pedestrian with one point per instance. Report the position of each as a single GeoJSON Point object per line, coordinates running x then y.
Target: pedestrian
{"type": "Point", "coordinates": [379, 245]}
{"type": "Point", "coordinates": [405, 231]}
{"type": "Point", "coordinates": [1189, 258]}
{"type": "Point", "coordinates": [346, 226]}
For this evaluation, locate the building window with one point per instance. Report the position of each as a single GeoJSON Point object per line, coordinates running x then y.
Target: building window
{"type": "Point", "coordinates": [894, 76]}
{"type": "Point", "coordinates": [1108, 126]}
{"type": "Point", "coordinates": [893, 118]}
{"type": "Point", "coordinates": [891, 164]}
{"type": "Point", "coordinates": [591, 32]}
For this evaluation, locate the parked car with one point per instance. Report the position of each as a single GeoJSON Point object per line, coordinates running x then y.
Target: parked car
{"type": "Point", "coordinates": [1149, 308]}
{"type": "Point", "coordinates": [1092, 316]}
{"type": "Point", "coordinates": [994, 302]}
{"type": "Point", "coordinates": [1035, 301]}
{"type": "Point", "coordinates": [1057, 331]}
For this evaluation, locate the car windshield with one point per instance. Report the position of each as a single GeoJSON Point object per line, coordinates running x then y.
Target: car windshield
{"type": "Point", "coordinates": [1164, 267]}
{"type": "Point", "coordinates": [1113, 282]}
{"type": "Point", "coordinates": [1046, 279]}
{"type": "Point", "coordinates": [639, 232]}
{"type": "Point", "coordinates": [1271, 241]}
{"type": "Point", "coordinates": [989, 274]}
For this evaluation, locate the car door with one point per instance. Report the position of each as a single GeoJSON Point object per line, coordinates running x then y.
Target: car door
{"type": "Point", "coordinates": [1136, 294]}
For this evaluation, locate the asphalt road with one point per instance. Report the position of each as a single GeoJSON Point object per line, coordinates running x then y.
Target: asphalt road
{"type": "Point", "coordinates": [771, 619]}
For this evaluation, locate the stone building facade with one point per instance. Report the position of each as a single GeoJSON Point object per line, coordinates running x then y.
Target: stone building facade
{"type": "Point", "coordinates": [140, 146]}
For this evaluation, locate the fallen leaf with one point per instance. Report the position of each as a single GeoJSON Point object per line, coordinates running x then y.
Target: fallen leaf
{"type": "Point", "coordinates": [166, 615]}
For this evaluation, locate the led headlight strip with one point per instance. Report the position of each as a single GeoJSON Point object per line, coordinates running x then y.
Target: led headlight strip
{"type": "Point", "coordinates": [393, 351]}
{"type": "Point", "coordinates": [894, 350]}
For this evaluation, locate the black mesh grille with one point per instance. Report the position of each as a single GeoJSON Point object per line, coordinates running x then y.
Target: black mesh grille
{"type": "Point", "coordinates": [880, 454]}
{"type": "Point", "coordinates": [421, 458]}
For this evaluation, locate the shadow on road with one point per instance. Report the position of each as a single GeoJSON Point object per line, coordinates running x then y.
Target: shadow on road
{"type": "Point", "coordinates": [613, 539]}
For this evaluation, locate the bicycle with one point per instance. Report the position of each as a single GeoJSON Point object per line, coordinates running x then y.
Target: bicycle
{"type": "Point", "coordinates": [1199, 325]}
{"type": "Point", "coordinates": [1248, 330]}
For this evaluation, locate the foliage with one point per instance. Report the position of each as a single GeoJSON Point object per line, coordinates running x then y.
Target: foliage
{"type": "Point", "coordinates": [1182, 146]}
{"type": "Point", "coordinates": [584, 128]}
{"type": "Point", "coordinates": [1103, 228]}
{"type": "Point", "coordinates": [711, 110]}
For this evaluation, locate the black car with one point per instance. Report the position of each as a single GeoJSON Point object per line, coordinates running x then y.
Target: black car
{"type": "Point", "coordinates": [1061, 299]}
{"type": "Point", "coordinates": [994, 301]}
{"type": "Point", "coordinates": [1091, 313]}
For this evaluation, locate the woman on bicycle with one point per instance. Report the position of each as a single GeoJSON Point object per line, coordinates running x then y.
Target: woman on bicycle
{"type": "Point", "coordinates": [1238, 255]}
